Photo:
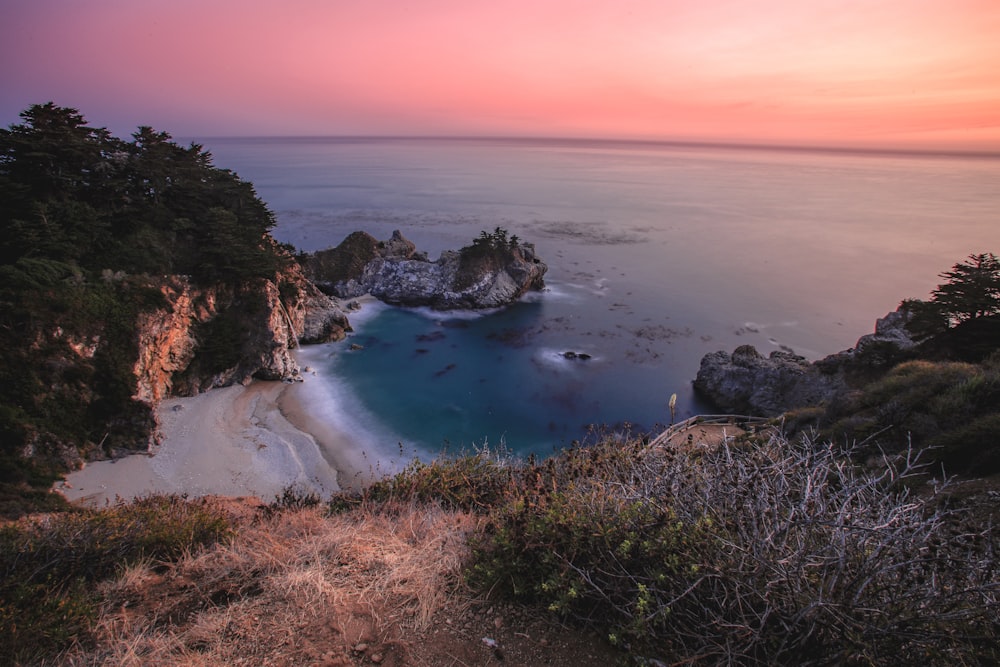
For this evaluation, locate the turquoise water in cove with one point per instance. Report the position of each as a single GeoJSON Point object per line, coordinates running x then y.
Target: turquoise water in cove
{"type": "Point", "coordinates": [657, 255]}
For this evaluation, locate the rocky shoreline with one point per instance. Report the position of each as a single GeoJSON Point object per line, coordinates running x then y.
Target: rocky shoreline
{"type": "Point", "coordinates": [304, 305]}
{"type": "Point", "coordinates": [747, 382]}
{"type": "Point", "coordinates": [204, 337]}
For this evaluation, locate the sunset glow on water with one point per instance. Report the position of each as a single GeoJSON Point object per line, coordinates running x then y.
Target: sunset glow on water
{"type": "Point", "coordinates": [658, 252]}
{"type": "Point", "coordinates": [657, 255]}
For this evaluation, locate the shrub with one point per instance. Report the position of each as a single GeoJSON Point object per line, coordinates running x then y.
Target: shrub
{"type": "Point", "coordinates": [474, 481]}
{"type": "Point", "coordinates": [294, 497]}
{"type": "Point", "coordinates": [762, 551]}
{"type": "Point", "coordinates": [756, 552]}
{"type": "Point", "coordinates": [973, 446]}
{"type": "Point", "coordinates": [947, 406]}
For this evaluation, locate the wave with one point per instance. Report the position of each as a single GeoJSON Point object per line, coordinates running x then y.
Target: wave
{"type": "Point", "coordinates": [370, 308]}
{"type": "Point", "coordinates": [446, 315]}
{"type": "Point", "coordinates": [371, 448]}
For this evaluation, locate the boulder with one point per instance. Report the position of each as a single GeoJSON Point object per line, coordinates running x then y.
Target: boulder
{"type": "Point", "coordinates": [323, 319]}
{"type": "Point", "coordinates": [747, 382]}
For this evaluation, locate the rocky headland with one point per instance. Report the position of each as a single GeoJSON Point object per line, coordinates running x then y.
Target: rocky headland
{"type": "Point", "coordinates": [490, 275]}
{"type": "Point", "coordinates": [203, 337]}
{"type": "Point", "coordinates": [197, 336]}
{"type": "Point", "coordinates": [747, 382]}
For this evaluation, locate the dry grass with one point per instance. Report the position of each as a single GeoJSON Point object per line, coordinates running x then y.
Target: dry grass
{"type": "Point", "coordinates": [295, 588]}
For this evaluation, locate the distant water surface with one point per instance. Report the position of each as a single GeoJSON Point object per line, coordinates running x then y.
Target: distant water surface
{"type": "Point", "coordinates": [657, 255]}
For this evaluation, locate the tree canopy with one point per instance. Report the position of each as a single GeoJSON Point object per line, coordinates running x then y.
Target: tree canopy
{"type": "Point", "coordinates": [971, 291]}
{"type": "Point", "coordinates": [78, 196]}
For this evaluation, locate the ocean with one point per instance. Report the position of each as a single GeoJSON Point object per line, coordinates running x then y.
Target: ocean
{"type": "Point", "coordinates": [657, 255]}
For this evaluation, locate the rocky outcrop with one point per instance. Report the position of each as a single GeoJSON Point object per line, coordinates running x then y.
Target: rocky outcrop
{"type": "Point", "coordinates": [881, 349]}
{"type": "Point", "coordinates": [394, 272]}
{"type": "Point", "coordinates": [320, 319]}
{"type": "Point", "coordinates": [217, 336]}
{"type": "Point", "coordinates": [314, 316]}
{"type": "Point", "coordinates": [747, 382]}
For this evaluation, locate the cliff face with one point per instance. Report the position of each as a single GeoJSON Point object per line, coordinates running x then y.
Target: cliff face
{"type": "Point", "coordinates": [395, 273]}
{"type": "Point", "coordinates": [217, 336]}
{"type": "Point", "coordinates": [747, 382]}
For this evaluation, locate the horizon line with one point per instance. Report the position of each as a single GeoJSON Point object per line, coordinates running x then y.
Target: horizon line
{"type": "Point", "coordinates": [607, 141]}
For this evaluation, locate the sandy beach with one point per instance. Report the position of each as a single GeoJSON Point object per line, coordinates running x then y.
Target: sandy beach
{"type": "Point", "coordinates": [236, 441]}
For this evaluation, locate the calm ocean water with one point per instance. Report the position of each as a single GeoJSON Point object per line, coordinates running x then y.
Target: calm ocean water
{"type": "Point", "coordinates": [657, 255]}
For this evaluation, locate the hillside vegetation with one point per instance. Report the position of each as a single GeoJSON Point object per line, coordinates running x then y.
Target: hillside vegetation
{"type": "Point", "coordinates": [846, 547]}
{"type": "Point", "coordinates": [942, 395]}
{"type": "Point", "coordinates": [89, 226]}
{"type": "Point", "coordinates": [756, 551]}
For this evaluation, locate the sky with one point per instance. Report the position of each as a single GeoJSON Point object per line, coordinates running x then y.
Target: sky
{"type": "Point", "coordinates": [886, 73]}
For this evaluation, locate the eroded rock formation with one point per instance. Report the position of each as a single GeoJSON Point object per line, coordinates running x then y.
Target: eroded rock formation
{"type": "Point", "coordinates": [216, 336]}
{"type": "Point", "coordinates": [394, 272]}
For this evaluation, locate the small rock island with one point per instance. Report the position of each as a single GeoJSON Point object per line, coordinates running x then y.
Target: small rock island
{"type": "Point", "coordinates": [493, 272]}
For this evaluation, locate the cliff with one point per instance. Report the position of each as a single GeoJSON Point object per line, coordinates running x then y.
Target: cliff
{"type": "Point", "coordinates": [95, 368]}
{"type": "Point", "coordinates": [394, 272]}
{"type": "Point", "coordinates": [223, 334]}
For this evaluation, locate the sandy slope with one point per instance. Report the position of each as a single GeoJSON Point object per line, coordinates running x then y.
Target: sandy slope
{"type": "Point", "coordinates": [236, 441]}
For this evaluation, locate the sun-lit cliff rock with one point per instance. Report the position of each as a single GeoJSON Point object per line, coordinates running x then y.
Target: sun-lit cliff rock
{"type": "Point", "coordinates": [216, 336]}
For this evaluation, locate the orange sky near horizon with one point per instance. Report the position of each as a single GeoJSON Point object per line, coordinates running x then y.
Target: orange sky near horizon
{"type": "Point", "coordinates": [893, 73]}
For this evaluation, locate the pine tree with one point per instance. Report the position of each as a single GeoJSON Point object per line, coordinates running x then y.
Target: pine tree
{"type": "Point", "coordinates": [972, 290]}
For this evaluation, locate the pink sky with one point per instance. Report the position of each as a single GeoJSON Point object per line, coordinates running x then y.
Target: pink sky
{"type": "Point", "coordinates": [922, 73]}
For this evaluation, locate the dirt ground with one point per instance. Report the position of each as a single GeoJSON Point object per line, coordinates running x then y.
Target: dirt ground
{"type": "Point", "coordinates": [484, 634]}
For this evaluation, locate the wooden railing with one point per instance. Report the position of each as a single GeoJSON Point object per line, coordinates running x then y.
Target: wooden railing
{"type": "Point", "coordinates": [735, 420]}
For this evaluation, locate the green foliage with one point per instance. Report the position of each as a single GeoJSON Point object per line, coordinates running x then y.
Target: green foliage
{"type": "Point", "coordinates": [226, 339]}
{"type": "Point", "coordinates": [489, 244]}
{"type": "Point", "coordinates": [971, 446]}
{"type": "Point", "coordinates": [952, 407]}
{"type": "Point", "coordinates": [66, 380]}
{"type": "Point", "coordinates": [32, 274]}
{"type": "Point", "coordinates": [475, 481]}
{"type": "Point", "coordinates": [294, 498]}
{"type": "Point", "coordinates": [591, 555]}
{"type": "Point", "coordinates": [220, 344]}
{"type": "Point", "coordinates": [75, 194]}
{"type": "Point", "coordinates": [972, 289]}
{"type": "Point", "coordinates": [567, 539]}
{"type": "Point", "coordinates": [487, 252]}
{"type": "Point", "coordinates": [48, 565]}
{"type": "Point", "coordinates": [755, 552]}
{"type": "Point", "coordinates": [346, 261]}
{"type": "Point", "coordinates": [85, 219]}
